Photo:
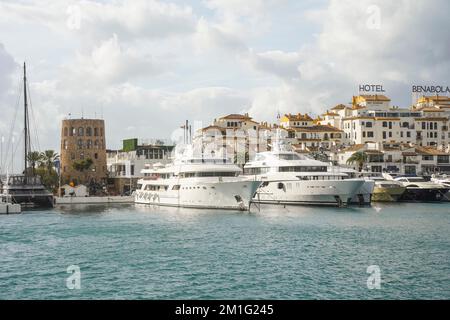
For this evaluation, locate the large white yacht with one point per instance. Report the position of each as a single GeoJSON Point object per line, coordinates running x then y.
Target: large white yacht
{"type": "Point", "coordinates": [198, 183]}
{"type": "Point", "coordinates": [292, 178]}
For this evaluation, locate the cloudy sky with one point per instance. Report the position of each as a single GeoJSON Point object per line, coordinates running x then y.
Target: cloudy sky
{"type": "Point", "coordinates": [146, 65]}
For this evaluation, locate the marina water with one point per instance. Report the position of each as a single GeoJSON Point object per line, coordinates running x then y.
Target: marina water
{"type": "Point", "coordinates": [145, 252]}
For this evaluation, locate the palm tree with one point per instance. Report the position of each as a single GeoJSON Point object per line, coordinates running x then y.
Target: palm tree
{"type": "Point", "coordinates": [48, 159]}
{"type": "Point", "coordinates": [359, 157]}
{"type": "Point", "coordinates": [34, 158]}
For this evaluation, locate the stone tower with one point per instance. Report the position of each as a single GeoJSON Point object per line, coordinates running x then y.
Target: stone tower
{"type": "Point", "coordinates": [83, 139]}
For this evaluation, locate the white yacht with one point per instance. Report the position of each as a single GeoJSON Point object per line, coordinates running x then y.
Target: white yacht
{"type": "Point", "coordinates": [419, 189]}
{"type": "Point", "coordinates": [291, 178]}
{"type": "Point", "coordinates": [6, 205]}
{"type": "Point", "coordinates": [197, 183]}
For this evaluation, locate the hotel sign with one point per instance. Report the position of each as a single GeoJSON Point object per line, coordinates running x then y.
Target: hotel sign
{"type": "Point", "coordinates": [371, 88]}
{"type": "Point", "coordinates": [430, 89]}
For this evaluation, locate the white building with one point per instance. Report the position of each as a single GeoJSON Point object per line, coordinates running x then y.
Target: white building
{"type": "Point", "coordinates": [125, 165]}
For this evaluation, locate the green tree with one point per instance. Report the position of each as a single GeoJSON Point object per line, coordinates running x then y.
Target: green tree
{"type": "Point", "coordinates": [49, 178]}
{"type": "Point", "coordinates": [34, 158]}
{"type": "Point", "coordinates": [83, 166]}
{"type": "Point", "coordinates": [359, 157]}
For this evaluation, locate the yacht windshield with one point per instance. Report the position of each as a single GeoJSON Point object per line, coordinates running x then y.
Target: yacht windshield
{"type": "Point", "coordinates": [289, 156]}
{"type": "Point", "coordinates": [418, 179]}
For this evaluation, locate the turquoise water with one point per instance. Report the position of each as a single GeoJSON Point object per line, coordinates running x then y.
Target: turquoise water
{"type": "Point", "coordinates": [141, 252]}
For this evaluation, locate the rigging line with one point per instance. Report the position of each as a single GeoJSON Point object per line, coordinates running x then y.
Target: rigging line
{"type": "Point", "coordinates": [13, 155]}
{"type": "Point", "coordinates": [13, 126]}
{"type": "Point", "coordinates": [33, 119]}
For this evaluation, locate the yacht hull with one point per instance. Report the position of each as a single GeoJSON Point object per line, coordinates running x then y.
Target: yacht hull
{"type": "Point", "coordinates": [363, 195]}
{"type": "Point", "coordinates": [424, 194]}
{"type": "Point", "coordinates": [33, 201]}
{"type": "Point", "coordinates": [392, 194]}
{"type": "Point", "coordinates": [308, 192]}
{"type": "Point", "coordinates": [233, 195]}
{"type": "Point", "coordinates": [9, 208]}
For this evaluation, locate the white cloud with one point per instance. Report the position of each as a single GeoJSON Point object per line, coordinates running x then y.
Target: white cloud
{"type": "Point", "coordinates": [111, 62]}
{"type": "Point", "coordinates": [130, 19]}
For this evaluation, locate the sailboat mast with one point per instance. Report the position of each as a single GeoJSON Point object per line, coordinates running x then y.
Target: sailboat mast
{"type": "Point", "coordinates": [25, 105]}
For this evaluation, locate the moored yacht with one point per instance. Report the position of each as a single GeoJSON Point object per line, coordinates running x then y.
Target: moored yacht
{"type": "Point", "coordinates": [197, 182]}
{"type": "Point", "coordinates": [387, 190]}
{"type": "Point", "coordinates": [6, 207]}
{"type": "Point", "coordinates": [291, 178]}
{"type": "Point", "coordinates": [26, 189]}
{"type": "Point", "coordinates": [418, 189]}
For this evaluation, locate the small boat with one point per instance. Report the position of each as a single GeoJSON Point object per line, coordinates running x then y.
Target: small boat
{"type": "Point", "coordinates": [7, 207]}
{"type": "Point", "coordinates": [387, 190]}
{"type": "Point", "coordinates": [418, 189]}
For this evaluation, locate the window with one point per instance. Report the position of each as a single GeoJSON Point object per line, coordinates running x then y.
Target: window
{"type": "Point", "coordinates": [208, 174]}
{"type": "Point", "coordinates": [443, 159]}
{"type": "Point", "coordinates": [303, 169]}
{"type": "Point", "coordinates": [176, 187]}
{"type": "Point", "coordinates": [390, 134]}
{"type": "Point", "coordinates": [80, 144]}
{"type": "Point", "coordinates": [369, 124]}
{"type": "Point", "coordinates": [95, 155]}
{"type": "Point", "coordinates": [73, 131]}
{"type": "Point", "coordinates": [80, 131]}
{"type": "Point", "coordinates": [66, 131]}
{"type": "Point", "coordinates": [65, 144]}
{"type": "Point", "coordinates": [82, 156]}
{"type": "Point", "coordinates": [364, 134]}
{"type": "Point", "coordinates": [369, 134]}
{"type": "Point", "coordinates": [89, 131]}
{"type": "Point", "coordinates": [385, 124]}
{"type": "Point", "coordinates": [384, 134]}
{"type": "Point", "coordinates": [89, 144]}
{"type": "Point", "coordinates": [423, 126]}
{"type": "Point", "coordinates": [390, 125]}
